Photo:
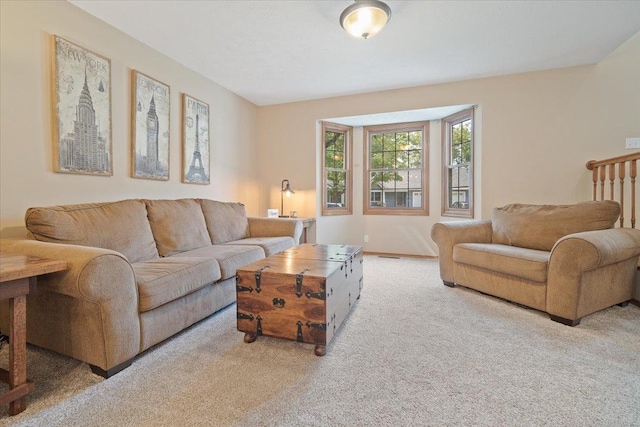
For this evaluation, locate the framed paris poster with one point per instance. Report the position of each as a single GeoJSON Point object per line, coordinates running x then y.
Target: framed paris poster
{"type": "Point", "coordinates": [195, 141]}
{"type": "Point", "coordinates": [82, 110]}
{"type": "Point", "coordinates": [150, 108]}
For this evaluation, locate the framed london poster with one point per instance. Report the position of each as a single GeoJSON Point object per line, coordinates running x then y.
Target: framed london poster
{"type": "Point", "coordinates": [150, 107]}
{"type": "Point", "coordinates": [195, 141]}
{"type": "Point", "coordinates": [82, 110]}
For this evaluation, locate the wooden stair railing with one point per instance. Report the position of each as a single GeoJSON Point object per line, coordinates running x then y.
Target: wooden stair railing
{"type": "Point", "coordinates": [621, 164]}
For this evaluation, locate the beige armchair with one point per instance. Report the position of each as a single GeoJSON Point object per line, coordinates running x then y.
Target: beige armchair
{"type": "Point", "coordinates": [565, 260]}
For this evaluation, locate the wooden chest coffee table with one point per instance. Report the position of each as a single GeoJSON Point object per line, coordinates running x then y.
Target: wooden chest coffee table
{"type": "Point", "coordinates": [301, 294]}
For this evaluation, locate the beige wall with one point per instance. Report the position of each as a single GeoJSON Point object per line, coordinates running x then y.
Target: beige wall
{"type": "Point", "coordinates": [26, 177]}
{"type": "Point", "coordinates": [535, 131]}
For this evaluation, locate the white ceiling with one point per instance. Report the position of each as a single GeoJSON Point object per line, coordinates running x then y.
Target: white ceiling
{"type": "Point", "coordinates": [273, 52]}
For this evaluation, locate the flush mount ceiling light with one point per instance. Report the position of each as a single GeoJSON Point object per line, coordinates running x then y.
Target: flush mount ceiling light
{"type": "Point", "coordinates": [365, 18]}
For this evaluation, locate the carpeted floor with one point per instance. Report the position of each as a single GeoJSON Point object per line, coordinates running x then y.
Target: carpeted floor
{"type": "Point", "coordinates": [412, 353]}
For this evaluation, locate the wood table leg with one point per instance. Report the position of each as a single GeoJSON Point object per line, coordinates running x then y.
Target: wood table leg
{"type": "Point", "coordinates": [17, 350]}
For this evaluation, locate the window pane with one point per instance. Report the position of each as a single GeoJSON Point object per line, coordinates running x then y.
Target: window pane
{"type": "Point", "coordinates": [402, 180]}
{"type": "Point", "coordinates": [415, 188]}
{"type": "Point", "coordinates": [336, 189]}
{"type": "Point", "coordinates": [402, 159]}
{"type": "Point", "coordinates": [456, 154]}
{"type": "Point", "coordinates": [456, 133]}
{"type": "Point", "coordinates": [334, 150]}
{"type": "Point", "coordinates": [466, 131]}
{"type": "Point", "coordinates": [376, 180]}
{"type": "Point", "coordinates": [415, 140]}
{"type": "Point", "coordinates": [415, 159]}
{"type": "Point", "coordinates": [459, 187]}
{"type": "Point", "coordinates": [376, 143]}
{"type": "Point", "coordinates": [402, 139]}
{"type": "Point", "coordinates": [388, 159]}
{"type": "Point", "coordinates": [389, 142]}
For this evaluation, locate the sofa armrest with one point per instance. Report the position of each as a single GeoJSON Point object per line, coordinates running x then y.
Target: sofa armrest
{"type": "Point", "coordinates": [275, 227]}
{"type": "Point", "coordinates": [591, 270]}
{"type": "Point", "coordinates": [448, 234]}
{"type": "Point", "coordinates": [89, 311]}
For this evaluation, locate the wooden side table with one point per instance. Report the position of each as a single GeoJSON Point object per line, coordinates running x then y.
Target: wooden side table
{"type": "Point", "coordinates": [18, 278]}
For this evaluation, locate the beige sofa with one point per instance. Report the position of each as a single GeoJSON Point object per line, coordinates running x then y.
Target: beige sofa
{"type": "Point", "coordinates": [566, 260]}
{"type": "Point", "coordinates": [139, 271]}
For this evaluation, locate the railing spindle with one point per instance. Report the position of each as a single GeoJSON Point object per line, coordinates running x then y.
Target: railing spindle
{"type": "Point", "coordinates": [595, 183]}
{"type": "Point", "coordinates": [634, 171]}
{"type": "Point", "coordinates": [603, 175]}
{"type": "Point", "coordinates": [612, 179]}
{"type": "Point", "coordinates": [621, 175]}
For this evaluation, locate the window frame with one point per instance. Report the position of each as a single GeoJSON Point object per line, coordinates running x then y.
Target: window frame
{"type": "Point", "coordinates": [348, 167]}
{"type": "Point", "coordinates": [368, 131]}
{"type": "Point", "coordinates": [447, 125]}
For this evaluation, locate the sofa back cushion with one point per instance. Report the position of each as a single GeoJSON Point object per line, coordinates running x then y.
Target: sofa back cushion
{"type": "Point", "coordinates": [120, 226]}
{"type": "Point", "coordinates": [177, 225]}
{"type": "Point", "coordinates": [541, 226]}
{"type": "Point", "coordinates": [226, 221]}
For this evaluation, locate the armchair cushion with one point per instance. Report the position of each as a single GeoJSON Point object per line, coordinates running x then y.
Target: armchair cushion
{"type": "Point", "coordinates": [528, 264]}
{"type": "Point", "coordinates": [541, 226]}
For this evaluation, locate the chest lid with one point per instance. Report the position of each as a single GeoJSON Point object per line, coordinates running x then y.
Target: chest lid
{"type": "Point", "coordinates": [319, 251]}
{"type": "Point", "coordinates": [276, 265]}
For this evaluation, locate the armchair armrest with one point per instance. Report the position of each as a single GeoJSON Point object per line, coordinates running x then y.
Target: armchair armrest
{"type": "Point", "coordinates": [592, 270]}
{"type": "Point", "coordinates": [448, 234]}
{"type": "Point", "coordinates": [89, 311]}
{"type": "Point", "coordinates": [275, 227]}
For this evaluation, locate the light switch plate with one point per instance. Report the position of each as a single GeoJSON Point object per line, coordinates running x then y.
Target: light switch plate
{"type": "Point", "coordinates": [633, 143]}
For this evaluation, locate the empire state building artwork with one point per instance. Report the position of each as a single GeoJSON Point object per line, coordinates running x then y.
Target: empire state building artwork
{"type": "Point", "coordinates": [82, 129]}
{"type": "Point", "coordinates": [151, 128]}
{"type": "Point", "coordinates": [195, 137]}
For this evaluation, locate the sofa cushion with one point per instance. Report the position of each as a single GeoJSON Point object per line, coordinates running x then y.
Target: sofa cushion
{"type": "Point", "coordinates": [528, 264]}
{"type": "Point", "coordinates": [226, 221]}
{"type": "Point", "coordinates": [166, 279]}
{"type": "Point", "coordinates": [230, 257]}
{"type": "Point", "coordinates": [119, 226]}
{"type": "Point", "coordinates": [541, 226]}
{"type": "Point", "coordinates": [177, 225]}
{"type": "Point", "coordinates": [271, 245]}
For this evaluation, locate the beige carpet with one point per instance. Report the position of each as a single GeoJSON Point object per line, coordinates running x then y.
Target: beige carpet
{"type": "Point", "coordinates": [413, 352]}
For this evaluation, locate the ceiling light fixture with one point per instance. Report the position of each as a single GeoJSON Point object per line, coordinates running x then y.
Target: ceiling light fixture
{"type": "Point", "coordinates": [365, 18]}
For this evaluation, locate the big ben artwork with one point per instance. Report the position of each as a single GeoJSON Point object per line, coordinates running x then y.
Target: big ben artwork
{"type": "Point", "coordinates": [82, 106]}
{"type": "Point", "coordinates": [150, 124]}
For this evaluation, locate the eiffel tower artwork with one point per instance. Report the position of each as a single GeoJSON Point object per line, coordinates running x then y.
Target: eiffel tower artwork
{"type": "Point", "coordinates": [197, 172]}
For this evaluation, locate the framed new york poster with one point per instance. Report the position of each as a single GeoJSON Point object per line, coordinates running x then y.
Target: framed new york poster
{"type": "Point", "coordinates": [82, 110]}
{"type": "Point", "coordinates": [150, 107]}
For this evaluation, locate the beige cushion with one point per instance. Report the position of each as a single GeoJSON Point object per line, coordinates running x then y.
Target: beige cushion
{"type": "Point", "coordinates": [528, 264]}
{"type": "Point", "coordinates": [177, 225]}
{"type": "Point", "coordinates": [119, 226]}
{"type": "Point", "coordinates": [167, 279]}
{"type": "Point", "coordinates": [225, 221]}
{"type": "Point", "coordinates": [541, 226]}
{"type": "Point", "coordinates": [230, 257]}
{"type": "Point", "coordinates": [271, 245]}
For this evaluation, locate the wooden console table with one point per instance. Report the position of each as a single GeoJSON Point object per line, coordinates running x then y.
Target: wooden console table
{"type": "Point", "coordinates": [18, 278]}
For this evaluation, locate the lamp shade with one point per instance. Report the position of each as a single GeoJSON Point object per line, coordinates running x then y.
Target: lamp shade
{"type": "Point", "coordinates": [365, 18]}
